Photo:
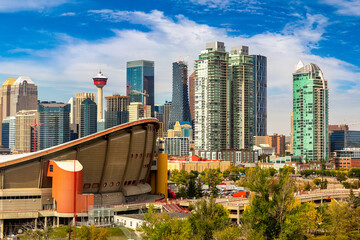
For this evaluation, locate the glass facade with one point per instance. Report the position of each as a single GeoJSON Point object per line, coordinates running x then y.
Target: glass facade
{"type": "Point", "coordinates": [260, 95]}
{"type": "Point", "coordinates": [180, 110]}
{"type": "Point", "coordinates": [242, 98]}
{"type": "Point", "coordinates": [212, 98]}
{"type": "Point", "coordinates": [344, 139]}
{"type": "Point", "coordinates": [88, 117]}
{"type": "Point", "coordinates": [55, 128]}
{"type": "Point", "coordinates": [310, 113]}
{"type": "Point", "coordinates": [5, 134]}
{"type": "Point", "coordinates": [140, 78]}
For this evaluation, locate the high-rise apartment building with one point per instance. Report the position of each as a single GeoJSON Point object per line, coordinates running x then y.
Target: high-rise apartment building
{"type": "Point", "coordinates": [260, 95]}
{"type": "Point", "coordinates": [180, 110]}
{"type": "Point", "coordinates": [211, 98]}
{"type": "Point", "coordinates": [242, 96]}
{"type": "Point", "coordinates": [55, 128]}
{"type": "Point", "coordinates": [24, 130]}
{"type": "Point", "coordinates": [80, 97]}
{"type": "Point", "coordinates": [116, 110]}
{"type": "Point", "coordinates": [88, 117]}
{"type": "Point", "coordinates": [310, 113]}
{"type": "Point", "coordinates": [192, 95]}
{"type": "Point", "coordinates": [140, 82]}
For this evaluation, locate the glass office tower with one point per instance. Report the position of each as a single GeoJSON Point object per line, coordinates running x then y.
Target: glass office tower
{"type": "Point", "coordinates": [180, 110]}
{"type": "Point", "coordinates": [260, 95]}
{"type": "Point", "coordinates": [55, 128]}
{"type": "Point", "coordinates": [140, 81]}
{"type": "Point", "coordinates": [344, 139]}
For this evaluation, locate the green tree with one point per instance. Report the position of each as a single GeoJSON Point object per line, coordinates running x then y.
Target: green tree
{"type": "Point", "coordinates": [191, 189]}
{"type": "Point", "coordinates": [229, 233]}
{"type": "Point", "coordinates": [179, 177]}
{"type": "Point", "coordinates": [341, 177]}
{"type": "Point", "coordinates": [276, 216]}
{"type": "Point", "coordinates": [161, 226]}
{"type": "Point", "coordinates": [211, 177]}
{"type": "Point", "coordinates": [208, 217]}
{"type": "Point", "coordinates": [354, 172]}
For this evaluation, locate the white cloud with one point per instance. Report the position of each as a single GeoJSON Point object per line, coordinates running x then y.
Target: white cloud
{"type": "Point", "coordinates": [345, 7]}
{"type": "Point", "coordinates": [167, 40]}
{"type": "Point", "coordinates": [24, 5]}
{"type": "Point", "coordinates": [67, 14]}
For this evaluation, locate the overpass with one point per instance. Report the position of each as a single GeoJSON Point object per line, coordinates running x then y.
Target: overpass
{"type": "Point", "coordinates": [237, 205]}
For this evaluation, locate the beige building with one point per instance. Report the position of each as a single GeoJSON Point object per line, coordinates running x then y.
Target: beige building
{"type": "Point", "coordinates": [24, 123]}
{"type": "Point", "coordinates": [80, 97]}
{"type": "Point", "coordinates": [198, 166]}
{"type": "Point", "coordinates": [276, 141]}
{"type": "Point", "coordinates": [137, 111]}
{"type": "Point", "coordinates": [16, 95]}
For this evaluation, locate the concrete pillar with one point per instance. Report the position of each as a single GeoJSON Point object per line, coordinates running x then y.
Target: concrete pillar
{"type": "Point", "coordinates": [2, 228]}
{"type": "Point", "coordinates": [58, 221]}
{"type": "Point", "coordinates": [74, 221]}
{"type": "Point", "coordinates": [238, 214]}
{"type": "Point", "coordinates": [54, 221]}
{"type": "Point", "coordinates": [35, 227]}
{"type": "Point", "coordinates": [45, 222]}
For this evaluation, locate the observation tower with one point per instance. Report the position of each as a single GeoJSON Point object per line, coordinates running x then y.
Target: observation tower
{"type": "Point", "coordinates": [100, 81]}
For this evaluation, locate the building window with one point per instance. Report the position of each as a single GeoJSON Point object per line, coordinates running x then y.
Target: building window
{"type": "Point", "coordinates": [51, 168]}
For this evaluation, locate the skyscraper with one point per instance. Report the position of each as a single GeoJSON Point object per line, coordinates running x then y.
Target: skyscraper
{"type": "Point", "coordinates": [167, 108]}
{"type": "Point", "coordinates": [56, 124]}
{"type": "Point", "coordinates": [8, 132]}
{"type": "Point", "coordinates": [140, 81]}
{"type": "Point", "coordinates": [310, 113]}
{"type": "Point", "coordinates": [242, 96]}
{"type": "Point", "coordinates": [192, 95]}
{"type": "Point", "coordinates": [260, 95]}
{"type": "Point", "coordinates": [16, 95]}
{"type": "Point", "coordinates": [72, 102]}
{"type": "Point", "coordinates": [180, 110]}
{"type": "Point", "coordinates": [212, 98]}
{"type": "Point", "coordinates": [24, 130]}
{"type": "Point", "coordinates": [88, 117]}
{"type": "Point", "coordinates": [116, 110]}
{"type": "Point", "coordinates": [80, 97]}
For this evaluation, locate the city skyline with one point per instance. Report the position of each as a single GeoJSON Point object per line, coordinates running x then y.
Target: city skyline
{"type": "Point", "coordinates": [67, 50]}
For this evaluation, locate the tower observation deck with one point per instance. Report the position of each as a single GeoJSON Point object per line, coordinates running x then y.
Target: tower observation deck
{"type": "Point", "coordinates": [100, 81]}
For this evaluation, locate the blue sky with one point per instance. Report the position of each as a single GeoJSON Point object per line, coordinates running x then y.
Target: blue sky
{"type": "Point", "coordinates": [61, 44]}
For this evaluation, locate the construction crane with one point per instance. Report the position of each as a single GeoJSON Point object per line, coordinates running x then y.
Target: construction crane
{"type": "Point", "coordinates": [34, 125]}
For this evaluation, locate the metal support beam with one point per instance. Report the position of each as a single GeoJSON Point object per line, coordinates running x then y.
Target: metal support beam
{"type": "Point", "coordinates": [127, 160]}
{"type": "Point", "coordinates": [105, 163]}
{"type": "Point", "coordinates": [41, 172]}
{"type": "Point", "coordinates": [143, 155]}
{"type": "Point", "coordinates": [152, 154]}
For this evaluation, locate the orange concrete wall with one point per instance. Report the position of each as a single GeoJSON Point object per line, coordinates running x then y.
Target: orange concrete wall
{"type": "Point", "coordinates": [63, 185]}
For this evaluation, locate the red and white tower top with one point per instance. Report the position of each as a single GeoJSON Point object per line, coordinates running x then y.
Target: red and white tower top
{"type": "Point", "coordinates": [100, 80]}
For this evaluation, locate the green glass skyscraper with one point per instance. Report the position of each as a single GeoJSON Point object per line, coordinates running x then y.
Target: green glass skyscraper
{"type": "Point", "coordinates": [310, 113]}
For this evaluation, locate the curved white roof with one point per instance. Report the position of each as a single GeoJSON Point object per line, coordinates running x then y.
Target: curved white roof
{"type": "Point", "coordinates": [21, 80]}
{"type": "Point", "coordinates": [69, 165]}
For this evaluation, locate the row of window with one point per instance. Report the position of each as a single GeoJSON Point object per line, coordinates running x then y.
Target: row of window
{"type": "Point", "coordinates": [19, 197]}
